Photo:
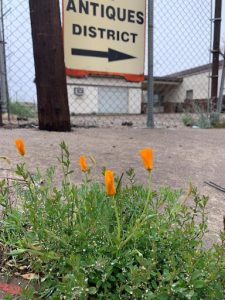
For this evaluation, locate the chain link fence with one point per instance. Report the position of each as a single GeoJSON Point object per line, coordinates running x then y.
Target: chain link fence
{"type": "Point", "coordinates": [182, 43]}
{"type": "Point", "coordinates": [19, 60]}
{"type": "Point", "coordinates": [182, 70]}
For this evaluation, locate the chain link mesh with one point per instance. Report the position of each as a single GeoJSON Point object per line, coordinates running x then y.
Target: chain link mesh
{"type": "Point", "coordinates": [182, 43]}
{"type": "Point", "coordinates": [19, 57]}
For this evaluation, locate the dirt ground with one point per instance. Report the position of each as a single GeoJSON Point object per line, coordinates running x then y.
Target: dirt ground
{"type": "Point", "coordinates": [179, 156]}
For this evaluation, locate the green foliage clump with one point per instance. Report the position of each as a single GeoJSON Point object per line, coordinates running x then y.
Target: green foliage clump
{"type": "Point", "coordinates": [214, 119]}
{"type": "Point", "coordinates": [83, 244]}
{"type": "Point", "coordinates": [217, 120]}
{"type": "Point", "coordinates": [188, 120]}
{"type": "Point", "coordinates": [21, 110]}
{"type": "Point", "coordinates": [203, 121]}
{"type": "Point", "coordinates": [221, 124]}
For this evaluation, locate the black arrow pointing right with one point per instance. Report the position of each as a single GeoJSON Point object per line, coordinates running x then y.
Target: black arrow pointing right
{"type": "Point", "coordinates": [111, 54]}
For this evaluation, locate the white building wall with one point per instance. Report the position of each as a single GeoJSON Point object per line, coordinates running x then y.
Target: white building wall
{"type": "Point", "coordinates": [135, 99]}
{"type": "Point", "coordinates": [85, 104]}
{"type": "Point", "coordinates": [196, 82]}
{"type": "Point", "coordinates": [219, 82]}
{"type": "Point", "coordinates": [88, 102]}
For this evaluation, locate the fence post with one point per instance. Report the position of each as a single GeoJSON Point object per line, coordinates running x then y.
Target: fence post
{"type": "Point", "coordinates": [2, 85]}
{"type": "Point", "coordinates": [150, 93]}
{"type": "Point", "coordinates": [53, 108]}
{"type": "Point", "coordinates": [220, 100]}
{"type": "Point", "coordinates": [4, 92]}
{"type": "Point", "coordinates": [216, 48]}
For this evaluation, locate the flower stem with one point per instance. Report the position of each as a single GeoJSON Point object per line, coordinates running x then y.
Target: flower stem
{"type": "Point", "coordinates": [139, 221]}
{"type": "Point", "coordinates": [117, 220]}
{"type": "Point", "coordinates": [149, 194]}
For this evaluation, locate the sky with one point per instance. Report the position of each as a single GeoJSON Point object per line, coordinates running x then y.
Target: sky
{"type": "Point", "coordinates": [181, 41]}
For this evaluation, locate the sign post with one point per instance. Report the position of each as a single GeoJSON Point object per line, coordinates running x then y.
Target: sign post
{"type": "Point", "coordinates": [105, 37]}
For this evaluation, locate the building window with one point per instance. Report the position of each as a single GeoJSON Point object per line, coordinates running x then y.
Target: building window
{"type": "Point", "coordinates": [161, 100]}
{"type": "Point", "coordinates": [156, 99]}
{"type": "Point", "coordinates": [189, 94]}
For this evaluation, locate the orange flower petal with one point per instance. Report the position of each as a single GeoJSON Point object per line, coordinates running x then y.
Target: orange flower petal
{"type": "Point", "coordinates": [83, 164]}
{"type": "Point", "coordinates": [20, 146]}
{"type": "Point", "coordinates": [109, 183]}
{"type": "Point", "coordinates": [147, 158]}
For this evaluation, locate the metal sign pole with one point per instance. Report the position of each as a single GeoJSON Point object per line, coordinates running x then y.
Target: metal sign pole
{"type": "Point", "coordinates": [150, 114]}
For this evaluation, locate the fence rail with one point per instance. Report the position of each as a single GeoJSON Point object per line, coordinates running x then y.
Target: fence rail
{"type": "Point", "coordinates": [182, 70]}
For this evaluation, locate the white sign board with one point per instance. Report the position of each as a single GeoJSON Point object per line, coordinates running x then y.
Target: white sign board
{"type": "Point", "coordinates": [105, 37]}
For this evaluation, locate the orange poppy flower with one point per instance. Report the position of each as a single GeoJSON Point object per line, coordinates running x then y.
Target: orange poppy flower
{"type": "Point", "coordinates": [20, 146]}
{"type": "Point", "coordinates": [83, 164]}
{"type": "Point", "coordinates": [147, 157]}
{"type": "Point", "coordinates": [109, 183]}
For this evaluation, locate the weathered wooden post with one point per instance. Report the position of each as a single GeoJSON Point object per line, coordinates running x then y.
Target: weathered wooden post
{"type": "Point", "coordinates": [53, 108]}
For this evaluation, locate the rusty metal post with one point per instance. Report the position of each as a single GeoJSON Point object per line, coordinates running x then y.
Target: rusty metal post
{"type": "Point", "coordinates": [216, 49]}
{"type": "Point", "coordinates": [53, 108]}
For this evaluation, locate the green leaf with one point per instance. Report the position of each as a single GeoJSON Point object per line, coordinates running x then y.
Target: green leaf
{"type": "Point", "coordinates": [92, 291]}
{"type": "Point", "coordinates": [17, 252]}
{"type": "Point", "coordinates": [199, 284]}
{"type": "Point", "coordinates": [8, 297]}
{"type": "Point", "coordinates": [163, 296]}
{"type": "Point", "coordinates": [190, 294]}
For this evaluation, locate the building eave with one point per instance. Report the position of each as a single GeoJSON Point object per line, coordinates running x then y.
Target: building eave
{"type": "Point", "coordinates": [195, 70]}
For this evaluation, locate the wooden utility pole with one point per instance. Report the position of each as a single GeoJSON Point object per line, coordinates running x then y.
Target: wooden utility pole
{"type": "Point", "coordinates": [53, 108]}
{"type": "Point", "coordinates": [216, 49]}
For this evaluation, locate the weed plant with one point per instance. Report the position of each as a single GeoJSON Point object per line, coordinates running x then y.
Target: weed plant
{"type": "Point", "coordinates": [22, 110]}
{"type": "Point", "coordinates": [188, 120]}
{"type": "Point", "coordinates": [77, 242]}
